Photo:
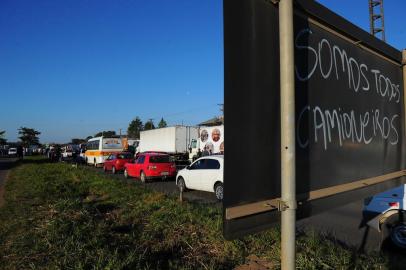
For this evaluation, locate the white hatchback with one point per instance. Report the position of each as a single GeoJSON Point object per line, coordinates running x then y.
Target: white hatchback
{"type": "Point", "coordinates": [205, 174]}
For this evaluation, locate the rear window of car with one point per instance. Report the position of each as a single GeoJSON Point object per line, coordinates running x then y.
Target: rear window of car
{"type": "Point", "coordinates": [212, 164]}
{"type": "Point", "coordinates": [125, 156]}
{"type": "Point", "coordinates": [159, 159]}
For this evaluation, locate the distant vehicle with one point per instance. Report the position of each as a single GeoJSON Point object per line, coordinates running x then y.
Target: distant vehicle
{"type": "Point", "coordinates": [204, 174]}
{"type": "Point", "coordinates": [177, 141]}
{"type": "Point", "coordinates": [99, 149]}
{"type": "Point", "coordinates": [70, 152]}
{"type": "Point", "coordinates": [115, 162]}
{"type": "Point", "coordinates": [386, 213]}
{"type": "Point", "coordinates": [54, 153]}
{"type": "Point", "coordinates": [12, 152]}
{"type": "Point", "coordinates": [129, 144]}
{"type": "Point", "coordinates": [150, 166]}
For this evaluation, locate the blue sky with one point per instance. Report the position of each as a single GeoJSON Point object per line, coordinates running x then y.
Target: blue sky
{"type": "Point", "coordinates": [73, 68]}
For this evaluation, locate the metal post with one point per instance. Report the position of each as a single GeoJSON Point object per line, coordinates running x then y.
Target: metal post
{"type": "Point", "coordinates": [404, 78]}
{"type": "Point", "coordinates": [288, 152]}
{"type": "Point", "coordinates": [181, 194]}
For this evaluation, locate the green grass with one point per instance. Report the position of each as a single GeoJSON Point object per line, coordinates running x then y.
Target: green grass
{"type": "Point", "coordinates": [59, 217]}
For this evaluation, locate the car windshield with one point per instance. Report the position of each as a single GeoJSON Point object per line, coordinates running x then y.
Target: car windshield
{"type": "Point", "coordinates": [159, 159]}
{"type": "Point", "coordinates": [125, 156]}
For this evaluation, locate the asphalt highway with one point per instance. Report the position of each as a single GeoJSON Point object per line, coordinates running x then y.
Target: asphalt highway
{"type": "Point", "coordinates": [343, 224]}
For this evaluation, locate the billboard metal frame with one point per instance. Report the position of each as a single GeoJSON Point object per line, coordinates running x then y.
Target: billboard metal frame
{"type": "Point", "coordinates": [317, 200]}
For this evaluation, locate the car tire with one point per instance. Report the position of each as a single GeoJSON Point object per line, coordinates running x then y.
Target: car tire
{"type": "Point", "coordinates": [143, 177]}
{"type": "Point", "coordinates": [113, 170]}
{"type": "Point", "coordinates": [218, 191]}
{"type": "Point", "coordinates": [394, 230]}
{"type": "Point", "coordinates": [104, 169]}
{"type": "Point", "coordinates": [126, 174]}
{"type": "Point", "coordinates": [181, 183]}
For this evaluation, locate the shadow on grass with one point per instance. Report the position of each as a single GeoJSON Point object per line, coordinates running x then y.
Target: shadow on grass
{"type": "Point", "coordinates": [34, 160]}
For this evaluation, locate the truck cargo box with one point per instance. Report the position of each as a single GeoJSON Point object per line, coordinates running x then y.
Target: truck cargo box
{"type": "Point", "coordinates": [176, 139]}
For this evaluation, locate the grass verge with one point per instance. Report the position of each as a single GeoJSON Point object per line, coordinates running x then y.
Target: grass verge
{"type": "Point", "coordinates": [59, 217]}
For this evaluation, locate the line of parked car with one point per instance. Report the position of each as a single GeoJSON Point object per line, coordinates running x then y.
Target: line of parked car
{"type": "Point", "coordinates": [205, 173]}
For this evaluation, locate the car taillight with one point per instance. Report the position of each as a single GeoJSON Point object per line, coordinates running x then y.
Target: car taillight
{"type": "Point", "coordinates": [394, 204]}
{"type": "Point", "coordinates": [151, 167]}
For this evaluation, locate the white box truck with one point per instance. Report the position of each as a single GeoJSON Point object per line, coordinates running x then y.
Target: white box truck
{"type": "Point", "coordinates": [175, 140]}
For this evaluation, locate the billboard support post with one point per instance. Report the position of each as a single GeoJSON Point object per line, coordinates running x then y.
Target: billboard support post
{"type": "Point", "coordinates": [404, 77]}
{"type": "Point", "coordinates": [287, 205]}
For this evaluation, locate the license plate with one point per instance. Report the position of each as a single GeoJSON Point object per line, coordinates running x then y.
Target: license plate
{"type": "Point", "coordinates": [164, 173]}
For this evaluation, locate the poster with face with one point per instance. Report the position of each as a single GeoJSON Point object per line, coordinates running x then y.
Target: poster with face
{"type": "Point", "coordinates": [204, 135]}
{"type": "Point", "coordinates": [215, 135]}
{"type": "Point", "coordinates": [209, 147]}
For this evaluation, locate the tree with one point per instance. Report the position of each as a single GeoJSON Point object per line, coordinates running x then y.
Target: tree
{"type": "Point", "coordinates": [162, 123]}
{"type": "Point", "coordinates": [29, 136]}
{"type": "Point", "coordinates": [134, 128]}
{"type": "Point", "coordinates": [107, 133]}
{"type": "Point", "coordinates": [2, 139]}
{"type": "Point", "coordinates": [149, 125]}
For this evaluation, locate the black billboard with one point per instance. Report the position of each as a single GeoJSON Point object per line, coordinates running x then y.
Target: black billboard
{"type": "Point", "coordinates": [350, 119]}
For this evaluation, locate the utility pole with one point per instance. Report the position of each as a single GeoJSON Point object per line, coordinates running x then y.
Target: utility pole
{"type": "Point", "coordinates": [376, 18]}
{"type": "Point", "coordinates": [287, 205]}
{"type": "Point", "coordinates": [221, 107]}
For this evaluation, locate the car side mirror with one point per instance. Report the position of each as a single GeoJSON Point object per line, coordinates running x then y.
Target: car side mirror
{"type": "Point", "coordinates": [188, 167]}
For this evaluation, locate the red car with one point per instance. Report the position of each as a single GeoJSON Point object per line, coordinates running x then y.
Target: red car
{"type": "Point", "coordinates": [151, 165]}
{"type": "Point", "coordinates": [115, 162]}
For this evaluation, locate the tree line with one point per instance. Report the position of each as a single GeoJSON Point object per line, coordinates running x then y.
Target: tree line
{"type": "Point", "coordinates": [136, 126]}
{"type": "Point", "coordinates": [29, 136]}
{"type": "Point", "coordinates": [133, 131]}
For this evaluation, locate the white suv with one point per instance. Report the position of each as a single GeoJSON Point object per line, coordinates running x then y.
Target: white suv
{"type": "Point", "coordinates": [386, 213]}
{"type": "Point", "coordinates": [205, 174]}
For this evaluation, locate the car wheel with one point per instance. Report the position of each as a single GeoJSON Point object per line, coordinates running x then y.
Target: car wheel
{"type": "Point", "coordinates": [394, 231]}
{"type": "Point", "coordinates": [181, 184]}
{"type": "Point", "coordinates": [104, 169]}
{"type": "Point", "coordinates": [398, 235]}
{"type": "Point", "coordinates": [143, 177]}
{"type": "Point", "coordinates": [113, 170]}
{"type": "Point", "coordinates": [126, 174]}
{"type": "Point", "coordinates": [218, 190]}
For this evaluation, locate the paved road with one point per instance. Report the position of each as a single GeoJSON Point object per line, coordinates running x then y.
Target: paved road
{"type": "Point", "coordinates": [343, 223]}
{"type": "Point", "coordinates": [169, 187]}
